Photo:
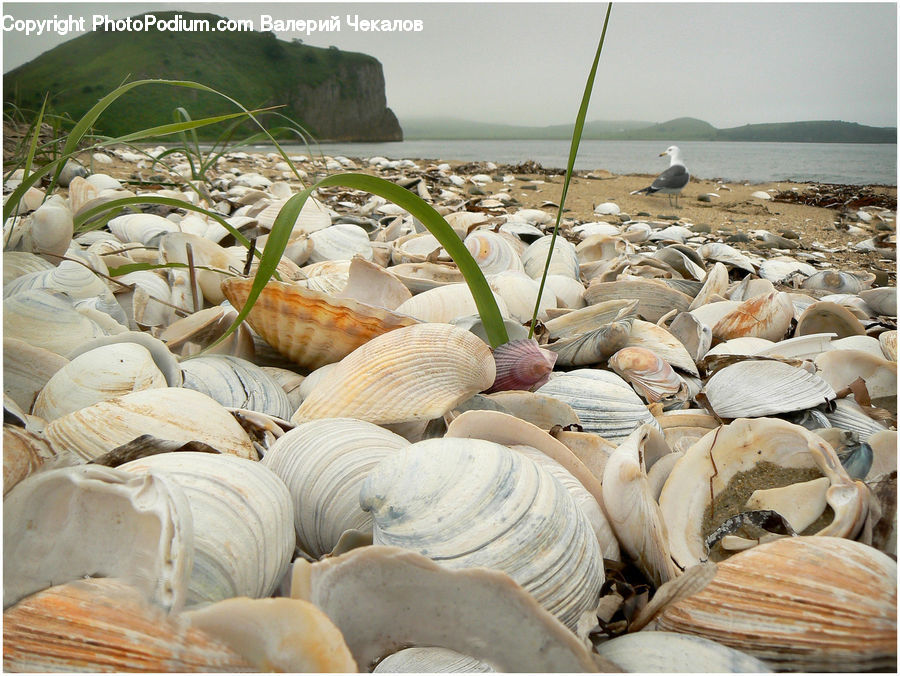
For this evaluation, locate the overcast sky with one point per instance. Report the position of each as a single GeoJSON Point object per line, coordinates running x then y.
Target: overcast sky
{"type": "Point", "coordinates": [526, 63]}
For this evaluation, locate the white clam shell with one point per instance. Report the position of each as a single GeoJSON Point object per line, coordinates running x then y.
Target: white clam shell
{"type": "Point", "coordinates": [236, 383]}
{"type": "Point", "coordinates": [430, 660]}
{"type": "Point", "coordinates": [666, 651]}
{"type": "Point", "coordinates": [147, 229]}
{"type": "Point", "coordinates": [323, 463]}
{"type": "Point", "coordinates": [519, 292]}
{"type": "Point", "coordinates": [90, 520]}
{"type": "Point", "coordinates": [172, 413]}
{"type": "Point", "coordinates": [18, 263]}
{"type": "Point", "coordinates": [98, 375]}
{"type": "Point", "coordinates": [752, 389]}
{"type": "Point", "coordinates": [341, 241]}
{"type": "Point", "coordinates": [49, 320]}
{"type": "Point", "coordinates": [605, 406]}
{"type": "Point", "coordinates": [631, 506]}
{"type": "Point", "coordinates": [707, 468]}
{"type": "Point", "coordinates": [728, 255]}
{"type": "Point", "coordinates": [243, 522]}
{"type": "Point", "coordinates": [493, 252]}
{"type": "Point", "coordinates": [563, 262]}
{"type": "Point", "coordinates": [434, 496]}
{"type": "Point", "coordinates": [445, 303]}
{"type": "Point", "coordinates": [26, 369]}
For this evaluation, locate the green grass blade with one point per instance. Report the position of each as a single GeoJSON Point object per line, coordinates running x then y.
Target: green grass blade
{"type": "Point", "coordinates": [415, 205]}
{"type": "Point", "coordinates": [573, 152]}
{"type": "Point", "coordinates": [32, 148]}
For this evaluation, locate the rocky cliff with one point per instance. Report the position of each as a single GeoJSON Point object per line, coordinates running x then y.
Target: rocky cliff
{"type": "Point", "coordinates": [334, 95]}
{"type": "Point", "coordinates": [349, 105]}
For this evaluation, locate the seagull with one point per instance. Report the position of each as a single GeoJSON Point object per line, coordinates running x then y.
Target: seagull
{"type": "Point", "coordinates": [672, 180]}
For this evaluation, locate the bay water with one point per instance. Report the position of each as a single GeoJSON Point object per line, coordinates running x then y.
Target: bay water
{"type": "Point", "coordinates": [850, 163]}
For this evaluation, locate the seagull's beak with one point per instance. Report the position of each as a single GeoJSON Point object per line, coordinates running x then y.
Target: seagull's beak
{"type": "Point", "coordinates": [663, 154]}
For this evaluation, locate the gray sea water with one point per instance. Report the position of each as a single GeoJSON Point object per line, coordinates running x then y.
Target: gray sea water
{"type": "Point", "coordinates": [851, 163]}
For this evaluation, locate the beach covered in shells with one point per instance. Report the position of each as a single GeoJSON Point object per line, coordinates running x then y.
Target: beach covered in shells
{"type": "Point", "coordinates": [691, 466]}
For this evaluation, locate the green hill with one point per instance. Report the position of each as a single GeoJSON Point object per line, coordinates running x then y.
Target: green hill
{"type": "Point", "coordinates": [680, 129]}
{"type": "Point", "coordinates": [335, 95]}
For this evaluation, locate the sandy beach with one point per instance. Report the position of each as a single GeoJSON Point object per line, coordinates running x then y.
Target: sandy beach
{"type": "Point", "coordinates": [825, 237]}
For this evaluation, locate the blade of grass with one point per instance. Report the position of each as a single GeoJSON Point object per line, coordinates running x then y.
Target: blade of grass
{"type": "Point", "coordinates": [573, 151]}
{"type": "Point", "coordinates": [415, 205]}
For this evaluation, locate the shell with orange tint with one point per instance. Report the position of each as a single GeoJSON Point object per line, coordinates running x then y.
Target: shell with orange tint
{"type": "Point", "coordinates": [651, 376]}
{"type": "Point", "coordinates": [767, 316]}
{"type": "Point", "coordinates": [106, 625]}
{"type": "Point", "coordinates": [414, 373]}
{"type": "Point", "coordinates": [311, 328]}
{"type": "Point", "coordinates": [807, 603]}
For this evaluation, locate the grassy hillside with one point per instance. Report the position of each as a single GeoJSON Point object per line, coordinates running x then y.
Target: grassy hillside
{"type": "Point", "coordinates": [255, 68]}
{"type": "Point", "coordinates": [680, 129]}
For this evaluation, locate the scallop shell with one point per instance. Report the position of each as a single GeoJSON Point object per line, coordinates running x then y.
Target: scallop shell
{"type": "Point", "coordinates": [98, 375]}
{"type": "Point", "coordinates": [827, 604]}
{"type": "Point", "coordinates": [741, 447]}
{"type": "Point", "coordinates": [106, 625]}
{"type": "Point", "coordinates": [432, 497]}
{"type": "Point", "coordinates": [563, 262]}
{"type": "Point", "coordinates": [521, 365]}
{"type": "Point", "coordinates": [172, 413]}
{"type": "Point", "coordinates": [493, 252]}
{"type": "Point", "coordinates": [90, 520]}
{"type": "Point", "coordinates": [825, 317]}
{"type": "Point", "coordinates": [323, 463]}
{"type": "Point", "coordinates": [767, 316]}
{"type": "Point", "coordinates": [655, 299]}
{"type": "Point", "coordinates": [415, 373]}
{"type": "Point", "coordinates": [243, 522]}
{"type": "Point", "coordinates": [236, 383]}
{"type": "Point", "coordinates": [605, 405]}
{"type": "Point", "coordinates": [753, 389]}
{"type": "Point", "coordinates": [311, 328]}
{"type": "Point", "coordinates": [652, 377]}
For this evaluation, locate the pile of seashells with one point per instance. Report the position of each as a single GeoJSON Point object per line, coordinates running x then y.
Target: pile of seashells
{"type": "Point", "coordinates": [692, 468]}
